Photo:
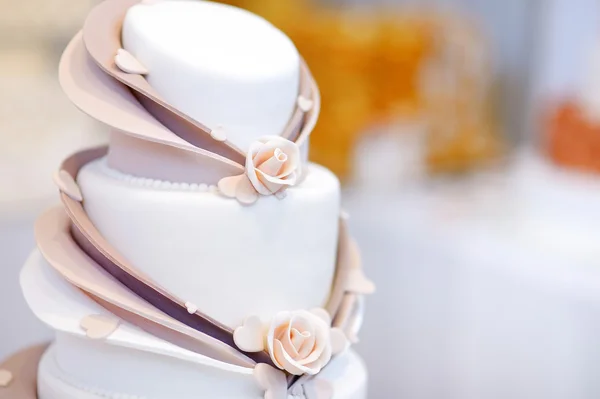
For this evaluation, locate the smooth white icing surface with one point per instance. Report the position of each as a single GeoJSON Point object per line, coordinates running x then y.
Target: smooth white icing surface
{"type": "Point", "coordinates": [133, 364]}
{"type": "Point", "coordinates": [220, 65]}
{"type": "Point", "coordinates": [230, 260]}
{"type": "Point", "coordinates": [121, 373]}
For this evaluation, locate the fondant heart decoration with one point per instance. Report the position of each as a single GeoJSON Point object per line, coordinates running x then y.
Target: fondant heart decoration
{"type": "Point", "coordinates": [218, 133]}
{"type": "Point", "coordinates": [238, 187]}
{"type": "Point", "coordinates": [305, 104]}
{"type": "Point", "coordinates": [6, 378]}
{"type": "Point", "coordinates": [67, 185]}
{"type": "Point", "coordinates": [128, 63]}
{"type": "Point", "coordinates": [99, 326]}
{"type": "Point", "coordinates": [318, 389]}
{"type": "Point", "coordinates": [271, 380]}
{"type": "Point", "coordinates": [358, 283]}
{"type": "Point", "coordinates": [250, 336]}
{"type": "Point", "coordinates": [339, 341]}
{"type": "Point", "coordinates": [191, 308]}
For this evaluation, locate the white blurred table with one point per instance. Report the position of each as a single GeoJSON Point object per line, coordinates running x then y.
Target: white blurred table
{"type": "Point", "coordinates": [488, 286]}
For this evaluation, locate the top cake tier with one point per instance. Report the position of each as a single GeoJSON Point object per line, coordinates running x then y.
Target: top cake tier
{"type": "Point", "coordinates": [220, 65]}
{"type": "Point", "coordinates": [190, 87]}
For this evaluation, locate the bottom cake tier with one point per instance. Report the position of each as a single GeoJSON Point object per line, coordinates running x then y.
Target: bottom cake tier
{"type": "Point", "coordinates": [130, 363]}
{"type": "Point", "coordinates": [347, 375]}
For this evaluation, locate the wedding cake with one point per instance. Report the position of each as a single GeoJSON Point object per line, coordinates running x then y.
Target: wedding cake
{"type": "Point", "coordinates": [199, 254]}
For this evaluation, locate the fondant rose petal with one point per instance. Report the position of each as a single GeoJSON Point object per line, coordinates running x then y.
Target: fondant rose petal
{"type": "Point", "coordinates": [273, 165]}
{"type": "Point", "coordinates": [322, 314]}
{"type": "Point", "coordinates": [281, 320]}
{"type": "Point", "coordinates": [322, 341]}
{"type": "Point", "coordinates": [307, 347]}
{"type": "Point", "coordinates": [320, 362]}
{"type": "Point", "coordinates": [256, 183]}
{"type": "Point", "coordinates": [296, 340]}
{"type": "Point", "coordinates": [339, 342]}
{"type": "Point", "coordinates": [287, 362]}
{"type": "Point", "coordinates": [228, 185]}
{"type": "Point", "coordinates": [245, 192]}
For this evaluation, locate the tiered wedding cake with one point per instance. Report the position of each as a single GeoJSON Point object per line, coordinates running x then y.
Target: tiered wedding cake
{"type": "Point", "coordinates": [194, 260]}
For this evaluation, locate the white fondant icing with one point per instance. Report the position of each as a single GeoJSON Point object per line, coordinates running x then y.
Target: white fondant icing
{"type": "Point", "coordinates": [133, 364]}
{"type": "Point", "coordinates": [62, 306]}
{"type": "Point", "coordinates": [230, 260]}
{"type": "Point", "coordinates": [218, 64]}
{"type": "Point", "coordinates": [346, 376]}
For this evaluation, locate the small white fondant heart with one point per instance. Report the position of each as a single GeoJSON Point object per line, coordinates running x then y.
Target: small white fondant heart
{"type": "Point", "coordinates": [218, 133]}
{"type": "Point", "coordinates": [128, 63]}
{"type": "Point", "coordinates": [305, 104]}
{"type": "Point", "coordinates": [6, 378]}
{"type": "Point", "coordinates": [99, 326]}
{"type": "Point", "coordinates": [65, 183]}
{"type": "Point", "coordinates": [318, 389]}
{"type": "Point", "coordinates": [358, 283]}
{"type": "Point", "coordinates": [322, 314]}
{"type": "Point", "coordinates": [339, 341]}
{"type": "Point", "coordinates": [191, 308]}
{"type": "Point", "coordinates": [249, 336]}
{"type": "Point", "coordinates": [271, 380]}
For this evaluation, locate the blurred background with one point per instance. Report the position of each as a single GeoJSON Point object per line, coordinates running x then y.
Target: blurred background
{"type": "Point", "coordinates": [467, 137]}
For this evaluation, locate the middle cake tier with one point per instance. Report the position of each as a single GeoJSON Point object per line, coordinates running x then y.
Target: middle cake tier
{"type": "Point", "coordinates": [229, 260]}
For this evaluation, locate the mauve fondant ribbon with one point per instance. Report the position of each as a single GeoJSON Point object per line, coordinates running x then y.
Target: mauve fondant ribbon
{"type": "Point", "coordinates": [108, 258]}
{"type": "Point", "coordinates": [102, 38]}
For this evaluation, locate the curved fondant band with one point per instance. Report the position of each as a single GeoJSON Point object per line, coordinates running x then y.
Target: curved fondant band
{"type": "Point", "coordinates": [87, 69]}
{"type": "Point", "coordinates": [94, 245]}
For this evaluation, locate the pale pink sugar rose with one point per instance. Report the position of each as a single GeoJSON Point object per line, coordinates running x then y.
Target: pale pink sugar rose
{"type": "Point", "coordinates": [273, 164]}
{"type": "Point", "coordinates": [299, 342]}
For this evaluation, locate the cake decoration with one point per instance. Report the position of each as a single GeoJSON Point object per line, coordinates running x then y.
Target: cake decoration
{"type": "Point", "coordinates": [305, 104]}
{"type": "Point", "coordinates": [6, 377]}
{"type": "Point", "coordinates": [191, 308]}
{"type": "Point", "coordinates": [87, 69]}
{"type": "Point", "coordinates": [67, 185]}
{"type": "Point", "coordinates": [272, 381]}
{"type": "Point", "coordinates": [218, 133]}
{"type": "Point", "coordinates": [272, 165]}
{"type": "Point", "coordinates": [128, 63]}
{"type": "Point", "coordinates": [99, 326]}
{"type": "Point", "coordinates": [249, 336]}
{"type": "Point", "coordinates": [155, 144]}
{"type": "Point", "coordinates": [299, 342]}
{"type": "Point", "coordinates": [359, 284]}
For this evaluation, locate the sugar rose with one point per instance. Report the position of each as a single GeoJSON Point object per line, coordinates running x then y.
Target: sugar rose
{"type": "Point", "coordinates": [299, 342]}
{"type": "Point", "coordinates": [273, 164]}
